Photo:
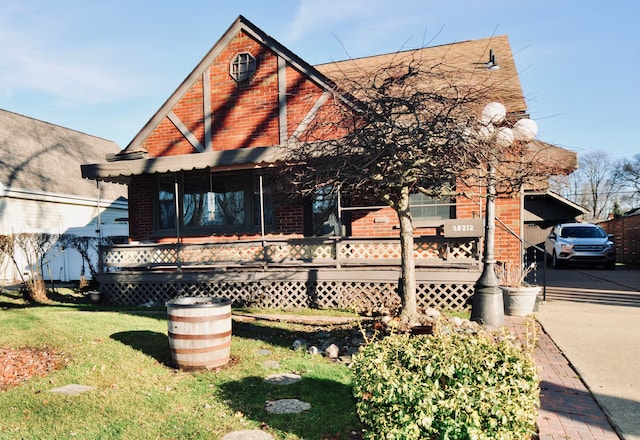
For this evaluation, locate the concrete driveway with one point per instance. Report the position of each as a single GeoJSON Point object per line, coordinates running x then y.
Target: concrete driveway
{"type": "Point", "coordinates": [594, 318]}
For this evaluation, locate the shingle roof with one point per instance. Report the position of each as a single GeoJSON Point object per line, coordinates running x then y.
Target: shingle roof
{"type": "Point", "coordinates": [466, 60]}
{"type": "Point", "coordinates": [43, 157]}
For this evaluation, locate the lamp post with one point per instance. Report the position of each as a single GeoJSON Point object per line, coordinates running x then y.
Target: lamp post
{"type": "Point", "coordinates": [487, 307]}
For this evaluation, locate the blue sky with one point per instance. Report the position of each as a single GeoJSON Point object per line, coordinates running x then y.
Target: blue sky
{"type": "Point", "coordinates": [105, 67]}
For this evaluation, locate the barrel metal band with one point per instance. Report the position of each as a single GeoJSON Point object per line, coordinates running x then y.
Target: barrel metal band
{"type": "Point", "coordinates": [208, 318]}
{"type": "Point", "coordinates": [200, 337]}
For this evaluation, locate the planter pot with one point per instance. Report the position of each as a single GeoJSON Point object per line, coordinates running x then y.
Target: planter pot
{"type": "Point", "coordinates": [199, 330]}
{"type": "Point", "coordinates": [521, 300]}
{"type": "Point", "coordinates": [94, 296]}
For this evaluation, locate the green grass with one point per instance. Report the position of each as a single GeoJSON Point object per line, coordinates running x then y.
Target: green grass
{"type": "Point", "coordinates": [125, 356]}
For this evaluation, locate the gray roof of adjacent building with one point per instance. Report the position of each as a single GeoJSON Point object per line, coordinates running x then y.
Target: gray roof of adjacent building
{"type": "Point", "coordinates": [44, 158]}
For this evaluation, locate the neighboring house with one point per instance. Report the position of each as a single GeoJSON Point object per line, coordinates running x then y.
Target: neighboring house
{"type": "Point", "coordinates": [42, 191]}
{"type": "Point", "coordinates": [204, 220]}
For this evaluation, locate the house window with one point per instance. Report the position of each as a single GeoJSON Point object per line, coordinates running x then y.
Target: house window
{"type": "Point", "coordinates": [321, 213]}
{"type": "Point", "coordinates": [424, 207]}
{"type": "Point", "coordinates": [211, 202]}
{"type": "Point", "coordinates": [242, 67]}
{"type": "Point", "coordinates": [166, 203]}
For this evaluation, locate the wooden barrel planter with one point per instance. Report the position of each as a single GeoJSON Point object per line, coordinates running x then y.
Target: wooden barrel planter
{"type": "Point", "coordinates": [199, 330]}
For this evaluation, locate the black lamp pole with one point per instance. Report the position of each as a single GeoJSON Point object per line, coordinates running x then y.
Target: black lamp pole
{"type": "Point", "coordinates": [488, 307]}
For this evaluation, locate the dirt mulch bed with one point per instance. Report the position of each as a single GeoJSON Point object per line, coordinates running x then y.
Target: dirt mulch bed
{"type": "Point", "coordinates": [21, 364]}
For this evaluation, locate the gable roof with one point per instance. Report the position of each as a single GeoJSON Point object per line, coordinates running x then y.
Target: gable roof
{"type": "Point", "coordinates": [467, 62]}
{"type": "Point", "coordinates": [241, 24]}
{"type": "Point", "coordinates": [41, 157]}
{"type": "Point", "coordinates": [468, 59]}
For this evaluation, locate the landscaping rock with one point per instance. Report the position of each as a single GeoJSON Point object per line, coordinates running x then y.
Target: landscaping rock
{"type": "Point", "coordinates": [332, 351]}
{"type": "Point", "coordinates": [72, 389]}
{"type": "Point", "coordinates": [272, 365]}
{"type": "Point", "coordinates": [262, 352]}
{"type": "Point", "coordinates": [283, 379]}
{"type": "Point", "coordinates": [299, 344]}
{"type": "Point", "coordinates": [253, 434]}
{"type": "Point", "coordinates": [287, 406]}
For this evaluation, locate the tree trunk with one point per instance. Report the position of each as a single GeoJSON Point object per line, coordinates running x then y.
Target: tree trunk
{"type": "Point", "coordinates": [408, 264]}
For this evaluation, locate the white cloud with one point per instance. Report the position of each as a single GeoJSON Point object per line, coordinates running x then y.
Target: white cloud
{"type": "Point", "coordinates": [312, 15]}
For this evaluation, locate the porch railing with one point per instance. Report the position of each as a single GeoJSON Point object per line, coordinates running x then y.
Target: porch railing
{"type": "Point", "coordinates": [333, 252]}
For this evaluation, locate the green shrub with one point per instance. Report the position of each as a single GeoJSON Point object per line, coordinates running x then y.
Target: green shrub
{"type": "Point", "coordinates": [455, 386]}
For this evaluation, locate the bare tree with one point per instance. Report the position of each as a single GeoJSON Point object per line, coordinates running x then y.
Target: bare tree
{"type": "Point", "coordinates": [628, 171]}
{"type": "Point", "coordinates": [33, 248]}
{"type": "Point", "coordinates": [595, 185]}
{"type": "Point", "coordinates": [88, 248]}
{"type": "Point", "coordinates": [409, 126]}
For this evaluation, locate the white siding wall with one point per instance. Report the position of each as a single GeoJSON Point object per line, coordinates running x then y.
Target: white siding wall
{"type": "Point", "coordinates": [58, 216]}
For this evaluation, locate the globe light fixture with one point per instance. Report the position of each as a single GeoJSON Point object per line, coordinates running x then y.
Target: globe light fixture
{"type": "Point", "coordinates": [487, 306]}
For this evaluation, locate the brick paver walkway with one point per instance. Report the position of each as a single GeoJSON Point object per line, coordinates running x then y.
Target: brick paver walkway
{"type": "Point", "coordinates": [568, 411]}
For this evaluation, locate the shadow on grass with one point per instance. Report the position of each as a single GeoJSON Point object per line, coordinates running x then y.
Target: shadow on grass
{"type": "Point", "coordinates": [283, 334]}
{"type": "Point", "coordinates": [153, 344]}
{"type": "Point", "coordinates": [63, 295]}
{"type": "Point", "coordinates": [332, 413]}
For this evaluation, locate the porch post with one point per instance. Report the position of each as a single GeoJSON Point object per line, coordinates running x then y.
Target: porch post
{"type": "Point", "coordinates": [99, 214]}
{"type": "Point", "coordinates": [177, 207]}
{"type": "Point", "coordinates": [264, 244]}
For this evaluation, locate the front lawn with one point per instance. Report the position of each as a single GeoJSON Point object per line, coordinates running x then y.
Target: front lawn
{"type": "Point", "coordinates": [124, 355]}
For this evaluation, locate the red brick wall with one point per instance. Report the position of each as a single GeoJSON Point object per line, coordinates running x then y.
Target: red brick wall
{"type": "Point", "coordinates": [243, 114]}
{"type": "Point", "coordinates": [377, 223]}
{"type": "Point", "coordinates": [290, 218]}
{"type": "Point", "coordinates": [141, 208]}
{"type": "Point", "coordinates": [508, 247]}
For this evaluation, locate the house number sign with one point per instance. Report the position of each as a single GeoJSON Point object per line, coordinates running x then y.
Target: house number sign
{"type": "Point", "coordinates": [471, 227]}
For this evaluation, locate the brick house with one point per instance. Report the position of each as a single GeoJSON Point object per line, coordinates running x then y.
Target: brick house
{"type": "Point", "coordinates": [204, 221]}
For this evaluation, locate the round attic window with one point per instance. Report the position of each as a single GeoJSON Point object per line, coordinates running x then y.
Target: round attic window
{"type": "Point", "coordinates": [242, 67]}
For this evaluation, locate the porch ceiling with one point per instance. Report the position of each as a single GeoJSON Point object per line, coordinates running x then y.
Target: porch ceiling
{"type": "Point", "coordinates": [120, 171]}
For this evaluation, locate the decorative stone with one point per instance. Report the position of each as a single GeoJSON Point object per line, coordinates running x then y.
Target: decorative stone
{"type": "Point", "coordinates": [432, 313]}
{"type": "Point", "coordinates": [262, 352]}
{"type": "Point", "coordinates": [287, 406]}
{"type": "Point", "coordinates": [332, 351]}
{"type": "Point", "coordinates": [72, 389]}
{"type": "Point", "coordinates": [313, 350]}
{"type": "Point", "coordinates": [248, 434]}
{"type": "Point", "coordinates": [299, 344]}
{"type": "Point", "coordinates": [283, 379]}
{"type": "Point", "coordinates": [272, 365]}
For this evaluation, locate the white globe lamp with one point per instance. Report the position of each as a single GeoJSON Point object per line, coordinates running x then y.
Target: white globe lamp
{"type": "Point", "coordinates": [525, 130]}
{"type": "Point", "coordinates": [493, 113]}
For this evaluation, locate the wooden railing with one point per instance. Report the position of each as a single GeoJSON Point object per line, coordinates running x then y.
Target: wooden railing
{"type": "Point", "coordinates": [336, 252]}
